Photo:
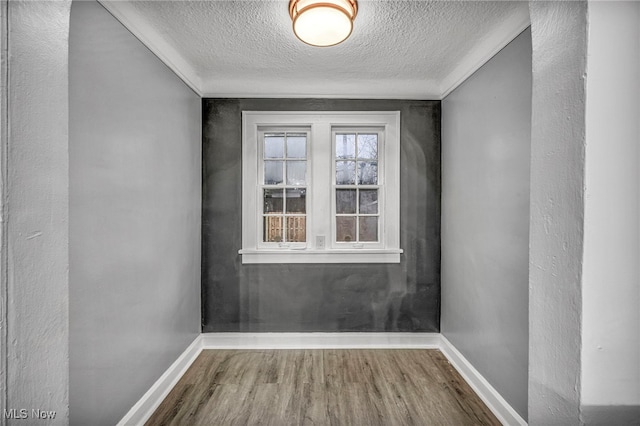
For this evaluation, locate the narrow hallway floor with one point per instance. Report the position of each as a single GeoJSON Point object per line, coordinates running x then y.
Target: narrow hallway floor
{"type": "Point", "coordinates": [322, 387]}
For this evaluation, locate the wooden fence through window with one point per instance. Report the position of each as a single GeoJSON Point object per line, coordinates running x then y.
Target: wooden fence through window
{"type": "Point", "coordinates": [296, 229]}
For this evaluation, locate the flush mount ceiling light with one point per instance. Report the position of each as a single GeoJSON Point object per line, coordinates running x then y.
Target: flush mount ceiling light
{"type": "Point", "coordinates": [323, 23]}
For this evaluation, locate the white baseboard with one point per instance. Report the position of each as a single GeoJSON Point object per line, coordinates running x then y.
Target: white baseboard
{"type": "Point", "coordinates": [494, 401]}
{"type": "Point", "coordinates": [144, 408]}
{"type": "Point", "coordinates": [320, 340]}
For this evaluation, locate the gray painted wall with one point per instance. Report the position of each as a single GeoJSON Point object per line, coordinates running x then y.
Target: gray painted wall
{"type": "Point", "coordinates": [559, 42]}
{"type": "Point", "coordinates": [611, 270]}
{"type": "Point", "coordinates": [35, 212]}
{"type": "Point", "coordinates": [4, 137]}
{"type": "Point", "coordinates": [486, 134]}
{"type": "Point", "coordinates": [135, 161]}
{"type": "Point", "coordinates": [390, 297]}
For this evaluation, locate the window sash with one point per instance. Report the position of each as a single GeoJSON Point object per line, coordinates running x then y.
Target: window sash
{"type": "Point", "coordinates": [380, 187]}
{"type": "Point", "coordinates": [261, 215]}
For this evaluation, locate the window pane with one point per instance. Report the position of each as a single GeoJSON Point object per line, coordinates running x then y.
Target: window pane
{"type": "Point", "coordinates": [368, 228]}
{"type": "Point", "coordinates": [272, 229]}
{"type": "Point", "coordinates": [273, 146]}
{"type": "Point", "coordinates": [272, 201]}
{"type": "Point", "coordinates": [345, 201]}
{"type": "Point", "coordinates": [297, 229]}
{"type": "Point", "coordinates": [273, 172]}
{"type": "Point", "coordinates": [296, 172]}
{"type": "Point", "coordinates": [368, 146]}
{"type": "Point", "coordinates": [296, 146]}
{"type": "Point", "coordinates": [367, 172]}
{"type": "Point", "coordinates": [346, 228]}
{"type": "Point", "coordinates": [368, 201]}
{"type": "Point", "coordinates": [345, 173]}
{"type": "Point", "coordinates": [296, 200]}
{"type": "Point", "coordinates": [345, 146]}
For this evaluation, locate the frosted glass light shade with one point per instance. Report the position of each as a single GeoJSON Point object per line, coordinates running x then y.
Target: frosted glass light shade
{"type": "Point", "coordinates": [323, 23]}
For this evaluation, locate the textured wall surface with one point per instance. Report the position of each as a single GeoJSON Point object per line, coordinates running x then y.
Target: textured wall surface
{"type": "Point", "coordinates": [385, 297]}
{"type": "Point", "coordinates": [37, 211]}
{"type": "Point", "coordinates": [611, 272]}
{"type": "Point", "coordinates": [135, 161]}
{"type": "Point", "coordinates": [486, 150]}
{"type": "Point", "coordinates": [4, 10]}
{"type": "Point", "coordinates": [559, 42]}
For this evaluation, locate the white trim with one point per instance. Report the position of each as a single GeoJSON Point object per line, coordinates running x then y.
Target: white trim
{"type": "Point", "coordinates": [150, 401]}
{"type": "Point", "coordinates": [155, 42]}
{"type": "Point", "coordinates": [320, 340]}
{"type": "Point", "coordinates": [144, 408]}
{"type": "Point", "coordinates": [408, 95]}
{"type": "Point", "coordinates": [319, 195]}
{"type": "Point", "coordinates": [481, 54]}
{"type": "Point", "coordinates": [320, 256]}
{"type": "Point", "coordinates": [487, 393]}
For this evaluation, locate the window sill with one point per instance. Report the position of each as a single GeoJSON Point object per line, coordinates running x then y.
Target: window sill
{"type": "Point", "coordinates": [321, 256]}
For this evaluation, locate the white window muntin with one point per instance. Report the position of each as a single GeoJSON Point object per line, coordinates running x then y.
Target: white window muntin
{"type": "Point", "coordinates": [319, 212]}
{"type": "Point", "coordinates": [261, 185]}
{"type": "Point", "coordinates": [380, 243]}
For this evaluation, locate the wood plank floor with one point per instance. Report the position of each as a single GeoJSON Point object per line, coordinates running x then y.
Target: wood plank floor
{"type": "Point", "coordinates": [322, 387]}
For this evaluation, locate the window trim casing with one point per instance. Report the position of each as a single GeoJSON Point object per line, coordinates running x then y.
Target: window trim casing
{"type": "Point", "coordinates": [321, 126]}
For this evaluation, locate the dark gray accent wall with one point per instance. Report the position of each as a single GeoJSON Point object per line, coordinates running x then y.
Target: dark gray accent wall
{"type": "Point", "coordinates": [134, 229]}
{"type": "Point", "coordinates": [320, 297]}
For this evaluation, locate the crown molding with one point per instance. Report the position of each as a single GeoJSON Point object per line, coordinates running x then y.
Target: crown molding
{"type": "Point", "coordinates": [486, 50]}
{"type": "Point", "coordinates": [155, 42]}
{"type": "Point", "coordinates": [129, 18]}
{"type": "Point", "coordinates": [427, 96]}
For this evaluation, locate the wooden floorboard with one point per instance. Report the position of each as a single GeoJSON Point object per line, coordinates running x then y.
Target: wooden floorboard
{"type": "Point", "coordinates": [322, 387]}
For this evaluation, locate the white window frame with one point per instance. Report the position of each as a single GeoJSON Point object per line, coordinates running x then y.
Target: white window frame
{"type": "Point", "coordinates": [260, 244]}
{"type": "Point", "coordinates": [380, 244]}
{"type": "Point", "coordinates": [321, 187]}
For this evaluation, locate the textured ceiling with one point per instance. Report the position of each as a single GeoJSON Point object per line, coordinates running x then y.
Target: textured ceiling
{"type": "Point", "coordinates": [417, 49]}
